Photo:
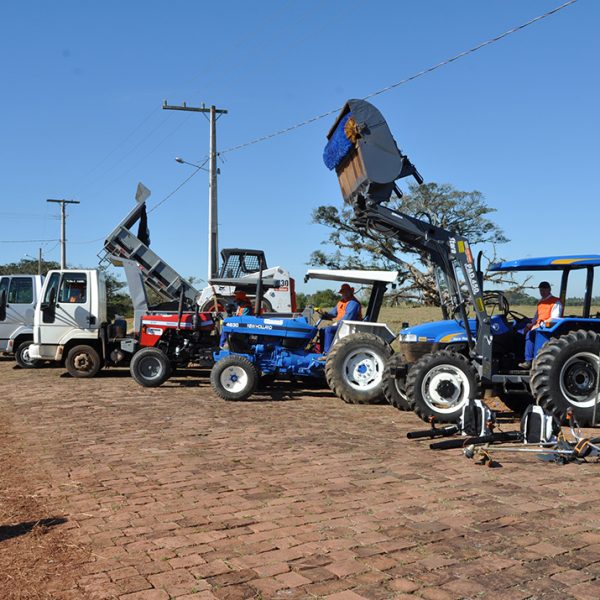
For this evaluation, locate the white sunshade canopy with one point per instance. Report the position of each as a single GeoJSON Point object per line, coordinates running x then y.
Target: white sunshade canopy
{"type": "Point", "coordinates": [352, 275]}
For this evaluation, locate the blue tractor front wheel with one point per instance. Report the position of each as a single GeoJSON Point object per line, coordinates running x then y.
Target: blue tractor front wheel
{"type": "Point", "coordinates": [234, 378]}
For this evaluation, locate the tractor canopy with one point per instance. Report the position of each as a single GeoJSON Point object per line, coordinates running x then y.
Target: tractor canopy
{"type": "Point", "coordinates": [548, 263]}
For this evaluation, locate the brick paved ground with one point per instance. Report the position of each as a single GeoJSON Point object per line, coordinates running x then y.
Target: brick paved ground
{"type": "Point", "coordinates": [177, 494]}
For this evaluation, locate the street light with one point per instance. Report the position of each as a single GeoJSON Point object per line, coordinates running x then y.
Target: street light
{"type": "Point", "coordinates": [185, 162]}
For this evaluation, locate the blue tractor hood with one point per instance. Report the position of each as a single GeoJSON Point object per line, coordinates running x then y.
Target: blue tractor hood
{"type": "Point", "coordinates": [450, 331]}
{"type": "Point", "coordinates": [298, 328]}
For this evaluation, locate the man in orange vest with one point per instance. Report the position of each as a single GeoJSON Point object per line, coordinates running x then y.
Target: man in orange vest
{"type": "Point", "coordinates": [548, 308]}
{"type": "Point", "coordinates": [347, 309]}
{"type": "Point", "coordinates": [244, 304]}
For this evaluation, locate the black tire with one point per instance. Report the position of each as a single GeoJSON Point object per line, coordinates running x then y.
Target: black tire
{"type": "Point", "coordinates": [354, 368]}
{"type": "Point", "coordinates": [150, 367]}
{"type": "Point", "coordinates": [564, 375]}
{"type": "Point", "coordinates": [517, 402]}
{"type": "Point", "coordinates": [22, 356]}
{"type": "Point", "coordinates": [83, 361]}
{"type": "Point", "coordinates": [234, 378]}
{"type": "Point", "coordinates": [394, 388]}
{"type": "Point", "coordinates": [440, 384]}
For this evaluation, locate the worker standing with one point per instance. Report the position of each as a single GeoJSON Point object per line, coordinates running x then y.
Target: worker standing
{"type": "Point", "coordinates": [548, 308]}
{"type": "Point", "coordinates": [347, 309]}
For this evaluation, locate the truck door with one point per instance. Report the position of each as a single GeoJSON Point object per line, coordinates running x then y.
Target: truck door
{"type": "Point", "coordinates": [65, 307]}
{"type": "Point", "coordinates": [5, 327]}
{"type": "Point", "coordinates": [19, 306]}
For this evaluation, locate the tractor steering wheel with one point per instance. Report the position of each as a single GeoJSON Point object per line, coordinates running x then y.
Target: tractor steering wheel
{"type": "Point", "coordinates": [496, 299]}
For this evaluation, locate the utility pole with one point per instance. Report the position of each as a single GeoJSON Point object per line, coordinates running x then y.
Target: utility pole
{"type": "Point", "coordinates": [213, 223]}
{"type": "Point", "coordinates": [63, 236]}
{"type": "Point", "coordinates": [39, 261]}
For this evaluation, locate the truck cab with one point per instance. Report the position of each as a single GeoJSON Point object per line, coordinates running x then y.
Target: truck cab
{"type": "Point", "coordinates": [71, 311]}
{"type": "Point", "coordinates": [18, 298]}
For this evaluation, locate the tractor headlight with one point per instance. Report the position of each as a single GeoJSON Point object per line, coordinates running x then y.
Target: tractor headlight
{"type": "Point", "coordinates": [408, 337]}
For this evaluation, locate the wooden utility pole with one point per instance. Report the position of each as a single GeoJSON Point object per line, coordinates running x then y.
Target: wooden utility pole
{"type": "Point", "coordinates": [63, 229]}
{"type": "Point", "coordinates": [213, 223]}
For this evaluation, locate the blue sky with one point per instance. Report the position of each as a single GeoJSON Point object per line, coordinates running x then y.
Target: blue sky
{"type": "Point", "coordinates": [83, 83]}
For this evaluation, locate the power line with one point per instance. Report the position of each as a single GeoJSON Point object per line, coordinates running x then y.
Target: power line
{"type": "Point", "coordinates": [26, 241]}
{"type": "Point", "coordinates": [403, 81]}
{"type": "Point", "coordinates": [169, 195]}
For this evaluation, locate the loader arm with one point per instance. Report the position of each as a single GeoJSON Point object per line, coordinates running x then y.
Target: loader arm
{"type": "Point", "coordinates": [367, 161]}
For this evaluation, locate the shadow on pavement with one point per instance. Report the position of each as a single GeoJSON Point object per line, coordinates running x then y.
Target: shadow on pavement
{"type": "Point", "coordinates": [8, 532]}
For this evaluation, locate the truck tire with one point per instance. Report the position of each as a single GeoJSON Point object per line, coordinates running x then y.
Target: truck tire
{"type": "Point", "coordinates": [150, 367]}
{"type": "Point", "coordinates": [234, 378]}
{"type": "Point", "coordinates": [564, 375]}
{"type": "Point", "coordinates": [394, 389]}
{"type": "Point", "coordinates": [354, 368]}
{"type": "Point", "coordinates": [517, 402]}
{"type": "Point", "coordinates": [440, 384]}
{"type": "Point", "coordinates": [83, 361]}
{"type": "Point", "coordinates": [22, 356]}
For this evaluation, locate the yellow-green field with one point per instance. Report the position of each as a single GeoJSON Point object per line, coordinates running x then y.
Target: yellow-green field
{"type": "Point", "coordinates": [394, 317]}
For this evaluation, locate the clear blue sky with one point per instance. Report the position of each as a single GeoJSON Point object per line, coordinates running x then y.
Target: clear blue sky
{"type": "Point", "coordinates": [83, 83]}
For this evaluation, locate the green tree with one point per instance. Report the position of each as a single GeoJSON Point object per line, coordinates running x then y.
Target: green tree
{"type": "Point", "coordinates": [465, 213]}
{"type": "Point", "coordinates": [27, 266]}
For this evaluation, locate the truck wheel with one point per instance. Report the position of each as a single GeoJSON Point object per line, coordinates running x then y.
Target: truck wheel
{"type": "Point", "coordinates": [516, 401]}
{"type": "Point", "coordinates": [233, 378]}
{"type": "Point", "coordinates": [394, 388]}
{"type": "Point", "coordinates": [354, 368]}
{"type": "Point", "coordinates": [440, 384]}
{"type": "Point", "coordinates": [22, 356]}
{"type": "Point", "coordinates": [83, 361]}
{"type": "Point", "coordinates": [564, 375]}
{"type": "Point", "coordinates": [150, 367]}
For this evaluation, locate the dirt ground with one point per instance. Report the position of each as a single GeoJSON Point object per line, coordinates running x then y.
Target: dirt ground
{"type": "Point", "coordinates": [110, 490]}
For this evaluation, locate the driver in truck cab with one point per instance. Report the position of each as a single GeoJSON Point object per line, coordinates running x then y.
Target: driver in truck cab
{"type": "Point", "coordinates": [548, 308]}
{"type": "Point", "coordinates": [347, 309]}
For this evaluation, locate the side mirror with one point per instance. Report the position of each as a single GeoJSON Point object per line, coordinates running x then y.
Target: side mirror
{"type": "Point", "coordinates": [3, 305]}
{"type": "Point", "coordinates": [49, 308]}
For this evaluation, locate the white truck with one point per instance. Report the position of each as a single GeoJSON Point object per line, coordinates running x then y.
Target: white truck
{"type": "Point", "coordinates": [18, 297]}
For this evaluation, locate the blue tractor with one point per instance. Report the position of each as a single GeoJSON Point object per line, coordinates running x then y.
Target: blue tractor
{"type": "Point", "coordinates": [564, 374]}
{"type": "Point", "coordinates": [441, 366]}
{"type": "Point", "coordinates": [269, 346]}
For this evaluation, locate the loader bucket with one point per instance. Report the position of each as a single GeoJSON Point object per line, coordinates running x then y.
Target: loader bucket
{"type": "Point", "coordinates": [364, 154]}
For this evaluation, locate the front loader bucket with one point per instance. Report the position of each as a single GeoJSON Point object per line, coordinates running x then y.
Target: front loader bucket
{"type": "Point", "coordinates": [364, 154]}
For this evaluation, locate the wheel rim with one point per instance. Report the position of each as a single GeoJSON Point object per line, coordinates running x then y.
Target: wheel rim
{"type": "Point", "coordinates": [234, 379]}
{"type": "Point", "coordinates": [445, 388]}
{"type": "Point", "coordinates": [400, 389]}
{"type": "Point", "coordinates": [83, 362]}
{"type": "Point", "coordinates": [150, 368]}
{"type": "Point", "coordinates": [578, 379]}
{"type": "Point", "coordinates": [25, 358]}
{"type": "Point", "coordinates": [362, 369]}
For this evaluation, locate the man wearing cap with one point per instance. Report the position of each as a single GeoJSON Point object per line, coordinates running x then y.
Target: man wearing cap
{"type": "Point", "coordinates": [347, 309]}
{"type": "Point", "coordinates": [548, 308]}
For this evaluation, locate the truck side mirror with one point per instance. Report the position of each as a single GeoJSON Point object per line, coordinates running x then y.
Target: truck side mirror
{"type": "Point", "coordinates": [49, 308]}
{"type": "Point", "coordinates": [3, 305]}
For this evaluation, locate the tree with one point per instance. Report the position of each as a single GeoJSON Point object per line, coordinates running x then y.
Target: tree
{"type": "Point", "coordinates": [27, 266]}
{"type": "Point", "coordinates": [464, 213]}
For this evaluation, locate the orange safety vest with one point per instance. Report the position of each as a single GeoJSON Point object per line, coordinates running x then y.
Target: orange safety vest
{"type": "Point", "coordinates": [341, 309]}
{"type": "Point", "coordinates": [243, 305]}
{"type": "Point", "coordinates": [544, 309]}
